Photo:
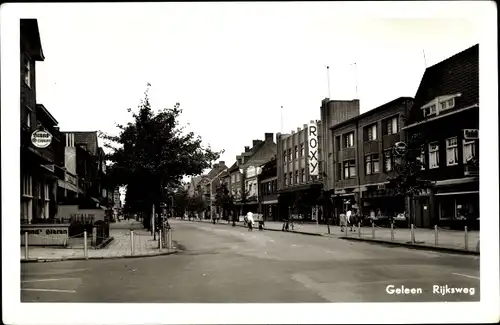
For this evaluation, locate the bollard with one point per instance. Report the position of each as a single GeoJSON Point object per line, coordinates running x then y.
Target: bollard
{"type": "Point", "coordinates": [159, 240]}
{"type": "Point", "coordinates": [436, 235]}
{"type": "Point", "coordinates": [412, 234]}
{"type": "Point", "coordinates": [170, 239]}
{"type": "Point", "coordinates": [466, 239]}
{"type": "Point", "coordinates": [131, 242]}
{"type": "Point", "coordinates": [85, 252]}
{"type": "Point", "coordinates": [359, 229]}
{"type": "Point", "coordinates": [26, 245]}
{"type": "Point", "coordinates": [392, 231]}
{"type": "Point", "coordinates": [373, 230]}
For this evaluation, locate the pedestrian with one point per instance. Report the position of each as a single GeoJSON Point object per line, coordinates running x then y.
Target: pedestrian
{"type": "Point", "coordinates": [250, 220]}
{"type": "Point", "coordinates": [343, 222]}
{"type": "Point", "coordinates": [349, 217]}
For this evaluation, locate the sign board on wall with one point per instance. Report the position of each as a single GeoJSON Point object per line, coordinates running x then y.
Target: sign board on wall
{"type": "Point", "coordinates": [45, 234]}
{"type": "Point", "coordinates": [41, 139]}
{"type": "Point", "coordinates": [471, 134]}
{"type": "Point", "coordinates": [80, 215]}
{"type": "Point", "coordinates": [312, 132]}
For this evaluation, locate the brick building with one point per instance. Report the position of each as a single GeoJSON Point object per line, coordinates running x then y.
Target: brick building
{"type": "Point", "coordinates": [38, 179]}
{"type": "Point", "coordinates": [362, 159]}
{"type": "Point", "coordinates": [298, 188]}
{"type": "Point", "coordinates": [446, 114]}
{"type": "Point", "coordinates": [268, 190]}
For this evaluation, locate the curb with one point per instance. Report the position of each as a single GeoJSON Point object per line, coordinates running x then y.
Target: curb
{"type": "Point", "coordinates": [45, 260]}
{"type": "Point", "coordinates": [415, 246]}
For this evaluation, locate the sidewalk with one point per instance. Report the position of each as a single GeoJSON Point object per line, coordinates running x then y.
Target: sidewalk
{"type": "Point", "coordinates": [120, 246]}
{"type": "Point", "coordinates": [424, 238]}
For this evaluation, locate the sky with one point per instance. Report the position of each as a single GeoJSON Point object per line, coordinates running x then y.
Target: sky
{"type": "Point", "coordinates": [231, 66]}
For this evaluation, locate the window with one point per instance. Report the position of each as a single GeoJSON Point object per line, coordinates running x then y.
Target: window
{"type": "Point", "coordinates": [371, 132]}
{"type": "Point", "coordinates": [290, 177]}
{"type": "Point", "coordinates": [297, 180]}
{"type": "Point", "coordinates": [349, 169]}
{"type": "Point", "coordinates": [372, 164]}
{"type": "Point", "coordinates": [296, 152]}
{"type": "Point", "coordinates": [303, 172]}
{"type": "Point", "coordinates": [337, 142]}
{"type": "Point", "coordinates": [302, 150]}
{"type": "Point", "coordinates": [451, 151]}
{"type": "Point", "coordinates": [27, 186]}
{"type": "Point", "coordinates": [349, 140]}
{"type": "Point", "coordinates": [28, 116]}
{"type": "Point", "coordinates": [46, 192]}
{"type": "Point", "coordinates": [285, 178]}
{"type": "Point", "coordinates": [339, 171]}
{"type": "Point", "coordinates": [27, 72]}
{"type": "Point", "coordinates": [388, 160]}
{"type": "Point", "coordinates": [238, 177]}
{"type": "Point", "coordinates": [422, 158]}
{"type": "Point", "coordinates": [469, 149]}
{"type": "Point", "coordinates": [284, 156]}
{"type": "Point", "coordinates": [447, 104]}
{"type": "Point", "coordinates": [392, 125]}
{"type": "Point", "coordinates": [289, 155]}
{"type": "Point", "coordinates": [433, 155]}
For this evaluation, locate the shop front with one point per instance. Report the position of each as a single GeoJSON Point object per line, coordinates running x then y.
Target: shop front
{"type": "Point", "coordinates": [458, 206]}
{"type": "Point", "coordinates": [300, 201]}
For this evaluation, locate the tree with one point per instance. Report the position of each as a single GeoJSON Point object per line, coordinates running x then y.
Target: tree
{"type": "Point", "coordinates": [223, 199]}
{"type": "Point", "coordinates": [408, 166]}
{"type": "Point", "coordinates": [181, 201]}
{"type": "Point", "coordinates": [153, 152]}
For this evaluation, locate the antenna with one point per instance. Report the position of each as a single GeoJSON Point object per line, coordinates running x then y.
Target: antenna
{"type": "Point", "coordinates": [425, 60]}
{"type": "Point", "coordinates": [281, 118]}
{"type": "Point", "coordinates": [328, 79]}
{"type": "Point", "coordinates": [356, 78]}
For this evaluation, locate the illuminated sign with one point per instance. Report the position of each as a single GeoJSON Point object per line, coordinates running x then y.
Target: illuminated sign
{"type": "Point", "coordinates": [41, 139]}
{"type": "Point", "coordinates": [313, 148]}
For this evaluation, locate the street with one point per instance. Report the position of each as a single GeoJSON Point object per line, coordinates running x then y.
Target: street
{"type": "Point", "coordinates": [221, 264]}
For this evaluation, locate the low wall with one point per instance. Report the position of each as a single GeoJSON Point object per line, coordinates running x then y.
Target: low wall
{"type": "Point", "coordinates": [45, 234]}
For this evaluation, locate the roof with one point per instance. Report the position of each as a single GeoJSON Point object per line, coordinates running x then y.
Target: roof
{"type": "Point", "coordinates": [372, 111]}
{"type": "Point", "coordinates": [234, 167]}
{"type": "Point", "coordinates": [46, 111]}
{"type": "Point", "coordinates": [30, 32]}
{"type": "Point", "coordinates": [457, 74]}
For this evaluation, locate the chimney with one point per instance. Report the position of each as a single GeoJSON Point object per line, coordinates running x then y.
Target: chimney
{"type": "Point", "coordinates": [255, 142]}
{"type": "Point", "coordinates": [305, 126]}
{"type": "Point", "coordinates": [293, 132]}
{"type": "Point", "coordinates": [247, 149]}
{"type": "Point", "coordinates": [222, 163]}
{"type": "Point", "coordinates": [278, 136]}
{"type": "Point", "coordinates": [269, 137]}
{"type": "Point", "coordinates": [298, 130]}
{"type": "Point", "coordinates": [238, 159]}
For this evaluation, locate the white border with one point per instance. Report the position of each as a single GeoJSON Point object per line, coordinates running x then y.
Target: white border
{"type": "Point", "coordinates": [485, 311]}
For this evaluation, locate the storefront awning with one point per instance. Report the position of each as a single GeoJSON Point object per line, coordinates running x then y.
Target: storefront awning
{"type": "Point", "coordinates": [457, 193]}
{"type": "Point", "coordinates": [66, 185]}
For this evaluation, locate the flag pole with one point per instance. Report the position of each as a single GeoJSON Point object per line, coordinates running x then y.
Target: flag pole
{"type": "Point", "coordinates": [328, 79]}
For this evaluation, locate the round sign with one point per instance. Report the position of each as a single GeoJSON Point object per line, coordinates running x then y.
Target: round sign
{"type": "Point", "coordinates": [400, 148]}
{"type": "Point", "coordinates": [41, 139]}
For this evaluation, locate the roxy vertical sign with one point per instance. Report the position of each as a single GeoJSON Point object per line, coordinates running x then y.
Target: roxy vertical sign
{"type": "Point", "coordinates": [312, 131]}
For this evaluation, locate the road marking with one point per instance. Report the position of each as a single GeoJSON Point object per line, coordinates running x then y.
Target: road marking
{"type": "Point", "coordinates": [48, 290]}
{"type": "Point", "coordinates": [293, 245]}
{"type": "Point", "coordinates": [44, 280]}
{"type": "Point", "coordinates": [55, 272]}
{"type": "Point", "coordinates": [271, 240]}
{"type": "Point", "coordinates": [467, 276]}
{"type": "Point", "coordinates": [253, 236]}
{"type": "Point", "coordinates": [330, 252]}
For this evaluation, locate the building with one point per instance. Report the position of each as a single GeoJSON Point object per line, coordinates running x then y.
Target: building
{"type": "Point", "coordinates": [40, 136]}
{"type": "Point", "coordinates": [446, 114]}
{"type": "Point", "coordinates": [249, 168]}
{"type": "Point", "coordinates": [268, 190]}
{"type": "Point", "coordinates": [299, 170]}
{"type": "Point", "coordinates": [362, 159]}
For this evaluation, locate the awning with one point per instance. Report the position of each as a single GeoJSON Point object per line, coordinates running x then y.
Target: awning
{"type": "Point", "coordinates": [270, 202]}
{"type": "Point", "coordinates": [457, 193]}
{"type": "Point", "coordinates": [66, 185]}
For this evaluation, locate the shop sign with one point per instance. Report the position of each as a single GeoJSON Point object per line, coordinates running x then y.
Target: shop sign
{"type": "Point", "coordinates": [41, 139]}
{"type": "Point", "coordinates": [471, 134]}
{"type": "Point", "coordinates": [45, 235]}
{"type": "Point", "coordinates": [313, 148]}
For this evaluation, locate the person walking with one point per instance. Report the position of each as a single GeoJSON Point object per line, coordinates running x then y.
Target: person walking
{"type": "Point", "coordinates": [349, 219]}
{"type": "Point", "coordinates": [250, 220]}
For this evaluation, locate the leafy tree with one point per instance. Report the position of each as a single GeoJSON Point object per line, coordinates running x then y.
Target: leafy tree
{"type": "Point", "coordinates": [408, 167]}
{"type": "Point", "coordinates": [223, 199]}
{"type": "Point", "coordinates": [153, 152]}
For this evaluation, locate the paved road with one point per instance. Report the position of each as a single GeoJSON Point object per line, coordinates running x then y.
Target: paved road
{"type": "Point", "coordinates": [225, 264]}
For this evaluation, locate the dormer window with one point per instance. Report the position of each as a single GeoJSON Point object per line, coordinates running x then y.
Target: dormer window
{"type": "Point", "coordinates": [438, 104]}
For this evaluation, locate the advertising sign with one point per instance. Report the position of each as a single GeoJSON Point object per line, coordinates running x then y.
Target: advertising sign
{"type": "Point", "coordinates": [41, 139]}
{"type": "Point", "coordinates": [45, 234]}
{"type": "Point", "coordinates": [471, 134]}
{"type": "Point", "coordinates": [312, 131]}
